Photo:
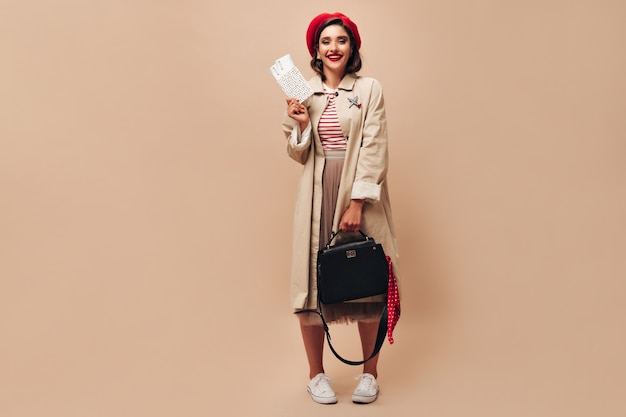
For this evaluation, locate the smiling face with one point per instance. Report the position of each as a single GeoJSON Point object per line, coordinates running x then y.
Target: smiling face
{"type": "Point", "coordinates": [334, 49]}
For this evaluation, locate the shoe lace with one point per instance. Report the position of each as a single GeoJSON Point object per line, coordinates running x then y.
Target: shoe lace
{"type": "Point", "coordinates": [366, 381]}
{"type": "Point", "coordinates": [323, 384]}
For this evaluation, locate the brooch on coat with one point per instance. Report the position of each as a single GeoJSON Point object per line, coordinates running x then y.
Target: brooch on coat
{"type": "Point", "coordinates": [354, 102]}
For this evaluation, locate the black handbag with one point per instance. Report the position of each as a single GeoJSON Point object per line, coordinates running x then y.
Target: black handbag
{"type": "Point", "coordinates": [349, 271]}
{"type": "Point", "coordinates": [352, 270]}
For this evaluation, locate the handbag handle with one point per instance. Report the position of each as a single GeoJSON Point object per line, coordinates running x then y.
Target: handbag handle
{"type": "Point", "coordinates": [380, 338]}
{"type": "Point", "coordinates": [333, 235]}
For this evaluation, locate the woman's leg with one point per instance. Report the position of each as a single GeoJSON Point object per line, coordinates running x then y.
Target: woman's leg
{"type": "Point", "coordinates": [368, 330]}
{"type": "Point", "coordinates": [313, 338]}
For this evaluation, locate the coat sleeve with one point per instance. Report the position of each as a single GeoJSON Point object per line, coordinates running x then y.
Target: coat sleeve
{"type": "Point", "coordinates": [298, 143]}
{"type": "Point", "coordinates": [373, 160]}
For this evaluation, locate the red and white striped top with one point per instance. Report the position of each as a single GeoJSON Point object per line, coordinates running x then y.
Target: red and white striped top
{"type": "Point", "coordinates": [329, 128]}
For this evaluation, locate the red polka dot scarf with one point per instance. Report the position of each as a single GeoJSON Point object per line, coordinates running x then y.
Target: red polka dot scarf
{"type": "Point", "coordinates": [393, 303]}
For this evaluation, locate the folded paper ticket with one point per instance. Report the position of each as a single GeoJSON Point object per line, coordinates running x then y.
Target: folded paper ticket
{"type": "Point", "coordinates": [291, 79]}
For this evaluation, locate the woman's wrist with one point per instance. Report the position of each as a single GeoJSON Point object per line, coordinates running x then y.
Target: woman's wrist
{"type": "Point", "coordinates": [357, 202]}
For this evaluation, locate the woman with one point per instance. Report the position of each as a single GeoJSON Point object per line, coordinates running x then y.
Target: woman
{"type": "Point", "coordinates": [340, 136]}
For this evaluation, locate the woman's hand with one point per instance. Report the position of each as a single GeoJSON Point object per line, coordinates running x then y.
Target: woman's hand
{"type": "Point", "coordinates": [298, 112]}
{"type": "Point", "coordinates": [351, 219]}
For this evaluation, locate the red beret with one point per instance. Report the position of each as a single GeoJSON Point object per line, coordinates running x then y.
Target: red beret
{"type": "Point", "coordinates": [318, 20]}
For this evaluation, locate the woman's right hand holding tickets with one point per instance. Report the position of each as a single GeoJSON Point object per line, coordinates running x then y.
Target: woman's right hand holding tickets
{"type": "Point", "coordinates": [298, 112]}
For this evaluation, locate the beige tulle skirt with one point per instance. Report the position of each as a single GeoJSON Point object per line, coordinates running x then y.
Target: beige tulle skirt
{"type": "Point", "coordinates": [359, 310]}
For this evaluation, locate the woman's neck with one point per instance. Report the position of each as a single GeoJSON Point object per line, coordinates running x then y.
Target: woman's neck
{"type": "Point", "coordinates": [332, 80]}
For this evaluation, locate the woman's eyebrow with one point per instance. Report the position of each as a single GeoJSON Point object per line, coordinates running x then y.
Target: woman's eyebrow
{"type": "Point", "coordinates": [338, 37]}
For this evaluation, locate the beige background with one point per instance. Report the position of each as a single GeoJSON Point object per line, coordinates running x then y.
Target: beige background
{"type": "Point", "coordinates": [146, 202]}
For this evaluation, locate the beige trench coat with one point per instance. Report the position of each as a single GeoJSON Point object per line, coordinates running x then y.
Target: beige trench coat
{"type": "Point", "coordinates": [364, 174]}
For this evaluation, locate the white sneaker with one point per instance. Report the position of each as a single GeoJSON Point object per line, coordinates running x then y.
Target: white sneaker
{"type": "Point", "coordinates": [367, 390]}
{"type": "Point", "coordinates": [320, 390]}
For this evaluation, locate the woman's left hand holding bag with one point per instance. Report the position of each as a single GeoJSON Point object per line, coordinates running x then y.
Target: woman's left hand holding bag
{"type": "Point", "coordinates": [351, 219]}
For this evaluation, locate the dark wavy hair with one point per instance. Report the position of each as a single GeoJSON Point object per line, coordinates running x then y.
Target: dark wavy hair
{"type": "Point", "coordinates": [354, 62]}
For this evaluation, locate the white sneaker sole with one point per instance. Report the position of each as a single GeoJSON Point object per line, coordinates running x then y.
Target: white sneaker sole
{"type": "Point", "coordinates": [362, 399]}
